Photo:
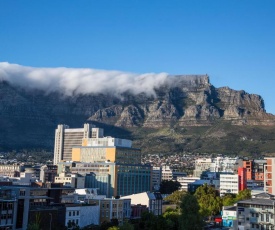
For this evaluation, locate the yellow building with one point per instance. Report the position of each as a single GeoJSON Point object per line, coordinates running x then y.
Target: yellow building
{"type": "Point", "coordinates": [123, 155]}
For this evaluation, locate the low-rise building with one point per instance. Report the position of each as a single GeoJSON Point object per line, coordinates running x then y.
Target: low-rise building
{"type": "Point", "coordinates": [256, 213]}
{"type": "Point", "coordinates": [8, 208]}
{"type": "Point", "coordinates": [82, 214]}
{"type": "Point", "coordinates": [111, 208]}
{"type": "Point", "coordinates": [152, 200]}
{"type": "Point", "coordinates": [229, 216]}
{"type": "Point", "coordinates": [184, 181]}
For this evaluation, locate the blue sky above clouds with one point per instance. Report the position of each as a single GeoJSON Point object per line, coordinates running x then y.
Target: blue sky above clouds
{"type": "Point", "coordinates": [232, 41]}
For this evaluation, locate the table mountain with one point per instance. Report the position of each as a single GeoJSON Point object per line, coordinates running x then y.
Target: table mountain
{"type": "Point", "coordinates": [186, 113]}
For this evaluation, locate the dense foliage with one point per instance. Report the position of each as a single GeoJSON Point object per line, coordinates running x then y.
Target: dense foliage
{"type": "Point", "coordinates": [169, 186]}
{"type": "Point", "coordinates": [190, 218]}
{"type": "Point", "coordinates": [209, 200]}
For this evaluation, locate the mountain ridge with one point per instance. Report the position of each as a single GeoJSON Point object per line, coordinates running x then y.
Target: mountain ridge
{"type": "Point", "coordinates": [28, 118]}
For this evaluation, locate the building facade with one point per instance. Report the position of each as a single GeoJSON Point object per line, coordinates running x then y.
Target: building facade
{"type": "Point", "coordinates": [269, 173]}
{"type": "Point", "coordinates": [152, 200]}
{"type": "Point", "coordinates": [256, 213]}
{"type": "Point", "coordinates": [66, 138]}
{"type": "Point", "coordinates": [111, 209]}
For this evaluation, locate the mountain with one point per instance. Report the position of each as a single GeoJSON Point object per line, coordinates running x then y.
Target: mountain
{"type": "Point", "coordinates": [186, 113]}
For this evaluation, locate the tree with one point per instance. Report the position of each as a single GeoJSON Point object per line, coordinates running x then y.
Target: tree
{"type": "Point", "coordinates": [127, 226]}
{"type": "Point", "coordinates": [169, 186]}
{"type": "Point", "coordinates": [244, 195]}
{"type": "Point", "coordinates": [172, 218]}
{"type": "Point", "coordinates": [190, 218]}
{"type": "Point", "coordinates": [176, 197]}
{"type": "Point", "coordinates": [228, 199]}
{"type": "Point", "coordinates": [209, 201]}
{"type": "Point", "coordinates": [114, 228]}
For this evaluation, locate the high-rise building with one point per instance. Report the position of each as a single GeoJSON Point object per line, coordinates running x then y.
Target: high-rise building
{"type": "Point", "coordinates": [66, 138]}
{"type": "Point", "coordinates": [111, 164]}
{"type": "Point", "coordinates": [255, 169]}
{"type": "Point", "coordinates": [248, 164]}
{"type": "Point", "coordinates": [242, 172]}
{"type": "Point", "coordinates": [269, 172]}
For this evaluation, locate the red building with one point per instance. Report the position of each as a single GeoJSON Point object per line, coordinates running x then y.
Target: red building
{"type": "Point", "coordinates": [249, 169]}
{"type": "Point", "coordinates": [242, 172]}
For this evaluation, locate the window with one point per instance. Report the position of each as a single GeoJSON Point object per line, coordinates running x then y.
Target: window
{"type": "Point", "coordinates": [73, 213]}
{"type": "Point", "coordinates": [77, 213]}
{"type": "Point", "coordinates": [70, 213]}
{"type": "Point", "coordinates": [22, 193]}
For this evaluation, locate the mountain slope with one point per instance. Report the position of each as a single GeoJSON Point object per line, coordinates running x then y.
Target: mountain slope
{"type": "Point", "coordinates": [186, 113]}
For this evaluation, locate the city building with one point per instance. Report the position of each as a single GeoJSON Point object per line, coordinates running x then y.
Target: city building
{"type": "Point", "coordinates": [255, 169]}
{"type": "Point", "coordinates": [269, 173]}
{"type": "Point", "coordinates": [8, 209]}
{"type": "Point", "coordinates": [152, 200]}
{"type": "Point", "coordinates": [82, 214]}
{"type": "Point", "coordinates": [48, 173]}
{"type": "Point", "coordinates": [256, 213]}
{"type": "Point", "coordinates": [112, 179]}
{"type": "Point", "coordinates": [166, 173]}
{"type": "Point", "coordinates": [248, 165]}
{"type": "Point", "coordinates": [242, 173]}
{"type": "Point", "coordinates": [137, 210]}
{"type": "Point", "coordinates": [233, 183]}
{"type": "Point", "coordinates": [229, 183]}
{"type": "Point", "coordinates": [229, 217]}
{"type": "Point", "coordinates": [201, 165]}
{"type": "Point", "coordinates": [184, 181]}
{"type": "Point", "coordinates": [258, 168]}
{"type": "Point", "coordinates": [111, 209]}
{"type": "Point", "coordinates": [10, 170]}
{"type": "Point", "coordinates": [110, 164]}
{"type": "Point", "coordinates": [66, 138]}
{"type": "Point", "coordinates": [156, 178]}
{"type": "Point", "coordinates": [73, 180]}
{"type": "Point", "coordinates": [192, 187]}
{"type": "Point", "coordinates": [226, 164]}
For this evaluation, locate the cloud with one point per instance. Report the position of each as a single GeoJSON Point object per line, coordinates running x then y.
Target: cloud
{"type": "Point", "coordinates": [73, 81]}
{"type": "Point", "coordinates": [83, 80]}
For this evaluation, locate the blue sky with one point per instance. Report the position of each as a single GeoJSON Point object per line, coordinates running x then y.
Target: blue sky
{"type": "Point", "coordinates": [232, 41]}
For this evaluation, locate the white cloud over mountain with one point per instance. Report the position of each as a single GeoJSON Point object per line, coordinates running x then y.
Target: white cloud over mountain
{"type": "Point", "coordinates": [80, 80]}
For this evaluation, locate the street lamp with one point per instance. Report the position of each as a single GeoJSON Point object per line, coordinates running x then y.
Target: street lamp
{"type": "Point", "coordinates": [51, 220]}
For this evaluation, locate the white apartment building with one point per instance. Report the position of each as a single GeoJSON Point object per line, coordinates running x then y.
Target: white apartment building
{"type": "Point", "coordinates": [166, 173]}
{"type": "Point", "coordinates": [107, 141]}
{"type": "Point", "coordinates": [184, 181]}
{"type": "Point", "coordinates": [71, 180]}
{"type": "Point", "coordinates": [226, 164]}
{"type": "Point", "coordinates": [229, 183]}
{"type": "Point", "coordinates": [10, 170]}
{"type": "Point", "coordinates": [201, 164]}
{"type": "Point", "coordinates": [82, 215]}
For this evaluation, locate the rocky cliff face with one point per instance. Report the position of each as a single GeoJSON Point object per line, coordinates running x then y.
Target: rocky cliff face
{"type": "Point", "coordinates": [191, 102]}
{"type": "Point", "coordinates": [28, 118]}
